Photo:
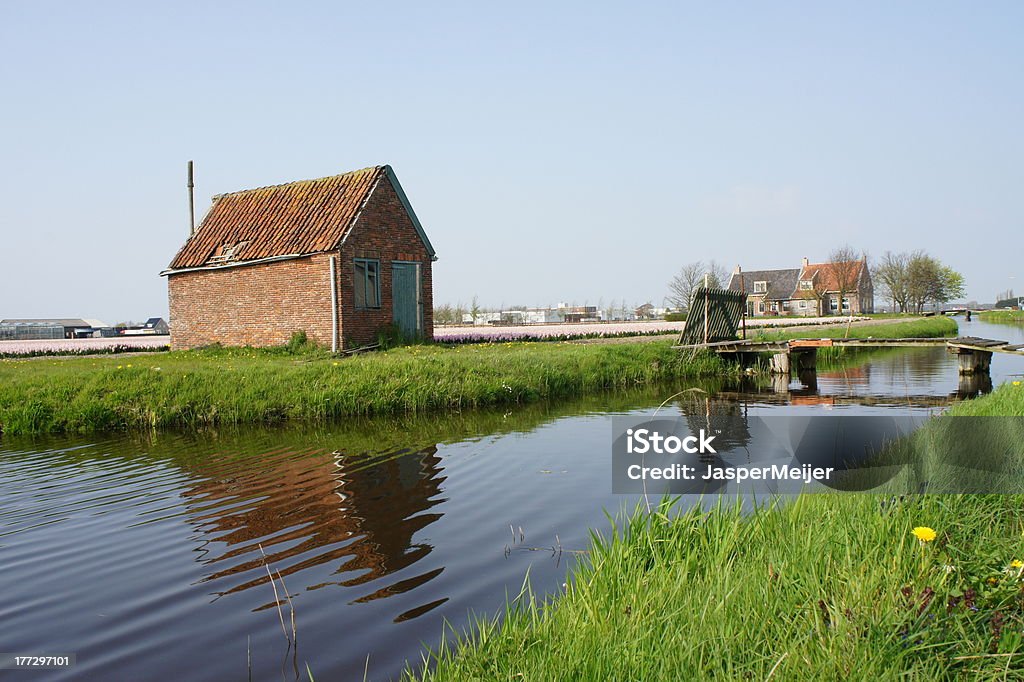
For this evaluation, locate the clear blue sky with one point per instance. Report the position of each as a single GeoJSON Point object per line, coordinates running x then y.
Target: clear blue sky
{"type": "Point", "coordinates": [569, 153]}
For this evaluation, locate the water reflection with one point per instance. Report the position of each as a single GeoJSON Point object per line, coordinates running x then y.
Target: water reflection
{"type": "Point", "coordinates": [358, 513]}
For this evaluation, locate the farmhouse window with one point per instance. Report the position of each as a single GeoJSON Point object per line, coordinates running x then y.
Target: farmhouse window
{"type": "Point", "coordinates": [760, 287]}
{"type": "Point", "coordinates": [367, 283]}
{"type": "Point", "coordinates": [806, 284]}
{"type": "Point", "coordinates": [833, 303]}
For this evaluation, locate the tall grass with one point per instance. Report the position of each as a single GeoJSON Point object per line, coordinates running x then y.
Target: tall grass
{"type": "Point", "coordinates": [826, 587]}
{"type": "Point", "coordinates": [244, 385]}
{"type": "Point", "coordinates": [1011, 316]}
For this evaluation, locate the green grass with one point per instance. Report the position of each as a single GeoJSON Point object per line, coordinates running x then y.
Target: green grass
{"type": "Point", "coordinates": [826, 587]}
{"type": "Point", "coordinates": [918, 327]}
{"type": "Point", "coordinates": [1007, 399]}
{"type": "Point", "coordinates": [244, 385]}
{"type": "Point", "coordinates": [1002, 316]}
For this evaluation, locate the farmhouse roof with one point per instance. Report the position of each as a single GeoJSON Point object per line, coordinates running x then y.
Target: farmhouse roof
{"type": "Point", "coordinates": [825, 275]}
{"type": "Point", "coordinates": [289, 220]}
{"type": "Point", "coordinates": [780, 284]}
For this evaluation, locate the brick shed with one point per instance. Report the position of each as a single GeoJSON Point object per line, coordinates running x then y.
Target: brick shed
{"type": "Point", "coordinates": [339, 258]}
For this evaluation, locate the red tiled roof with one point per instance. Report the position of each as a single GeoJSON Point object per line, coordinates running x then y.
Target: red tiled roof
{"type": "Point", "coordinates": [309, 216]}
{"type": "Point", "coordinates": [824, 276]}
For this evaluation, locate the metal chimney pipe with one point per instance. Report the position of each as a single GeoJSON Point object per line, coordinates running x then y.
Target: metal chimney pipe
{"type": "Point", "coordinates": [191, 202]}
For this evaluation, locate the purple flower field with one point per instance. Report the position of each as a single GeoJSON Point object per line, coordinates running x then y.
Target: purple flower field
{"type": "Point", "coordinates": [117, 344]}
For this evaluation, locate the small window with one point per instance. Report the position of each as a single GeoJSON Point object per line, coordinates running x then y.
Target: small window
{"type": "Point", "coordinates": [775, 307]}
{"type": "Point", "coordinates": [833, 303]}
{"type": "Point", "coordinates": [846, 303]}
{"type": "Point", "coordinates": [803, 305]}
{"type": "Point", "coordinates": [760, 307]}
{"type": "Point", "coordinates": [806, 285]}
{"type": "Point", "coordinates": [785, 305]}
{"type": "Point", "coordinates": [760, 287]}
{"type": "Point", "coordinates": [367, 283]}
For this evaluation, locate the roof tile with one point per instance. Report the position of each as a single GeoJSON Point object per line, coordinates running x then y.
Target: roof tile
{"type": "Point", "coordinates": [309, 216]}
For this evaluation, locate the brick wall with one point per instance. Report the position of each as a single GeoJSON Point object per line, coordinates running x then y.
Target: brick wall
{"type": "Point", "coordinates": [254, 305]}
{"type": "Point", "coordinates": [384, 232]}
{"type": "Point", "coordinates": [262, 305]}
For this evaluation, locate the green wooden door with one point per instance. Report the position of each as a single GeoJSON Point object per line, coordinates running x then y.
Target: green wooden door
{"type": "Point", "coordinates": [405, 298]}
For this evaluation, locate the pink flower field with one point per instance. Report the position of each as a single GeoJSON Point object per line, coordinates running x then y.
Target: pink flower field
{"type": "Point", "coordinates": [550, 332]}
{"type": "Point", "coordinates": [591, 330]}
{"type": "Point", "coordinates": [117, 344]}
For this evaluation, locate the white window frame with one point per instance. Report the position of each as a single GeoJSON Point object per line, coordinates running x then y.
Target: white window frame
{"type": "Point", "coordinates": [761, 287]}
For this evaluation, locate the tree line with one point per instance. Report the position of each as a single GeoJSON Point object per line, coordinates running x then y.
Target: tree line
{"type": "Point", "coordinates": [912, 280]}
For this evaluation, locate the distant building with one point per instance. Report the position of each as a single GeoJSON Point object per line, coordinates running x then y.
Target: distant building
{"type": "Point", "coordinates": [154, 326]}
{"type": "Point", "coordinates": [48, 328]}
{"type": "Point", "coordinates": [563, 313]}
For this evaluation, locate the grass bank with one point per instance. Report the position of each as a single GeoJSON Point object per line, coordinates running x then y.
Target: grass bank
{"type": "Point", "coordinates": [825, 587]}
{"type": "Point", "coordinates": [919, 327]}
{"type": "Point", "coordinates": [235, 386]}
{"type": "Point", "coordinates": [1002, 316]}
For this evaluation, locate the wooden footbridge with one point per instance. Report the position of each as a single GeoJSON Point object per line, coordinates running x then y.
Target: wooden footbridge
{"type": "Point", "coordinates": [717, 314]}
{"type": "Point", "coordinates": [974, 355]}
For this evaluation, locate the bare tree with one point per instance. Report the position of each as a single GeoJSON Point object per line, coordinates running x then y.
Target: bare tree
{"type": "Point", "coordinates": [690, 277]}
{"type": "Point", "coordinates": [718, 275]}
{"type": "Point", "coordinates": [681, 287]}
{"type": "Point", "coordinates": [845, 264]}
{"type": "Point", "coordinates": [474, 309]}
{"type": "Point", "coordinates": [891, 274]}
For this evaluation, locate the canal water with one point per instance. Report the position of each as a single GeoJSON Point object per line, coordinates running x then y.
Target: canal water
{"type": "Point", "coordinates": [148, 557]}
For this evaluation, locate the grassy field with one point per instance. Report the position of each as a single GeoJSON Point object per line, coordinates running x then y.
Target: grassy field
{"type": "Point", "coordinates": [233, 386]}
{"type": "Point", "coordinates": [918, 327]}
{"type": "Point", "coordinates": [244, 385]}
{"type": "Point", "coordinates": [1002, 316]}
{"type": "Point", "coordinates": [850, 586]}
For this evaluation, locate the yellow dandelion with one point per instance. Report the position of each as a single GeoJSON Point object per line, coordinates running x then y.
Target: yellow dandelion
{"type": "Point", "coordinates": [1016, 383]}
{"type": "Point", "coordinates": [924, 533]}
{"type": "Point", "coordinates": [1017, 563]}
